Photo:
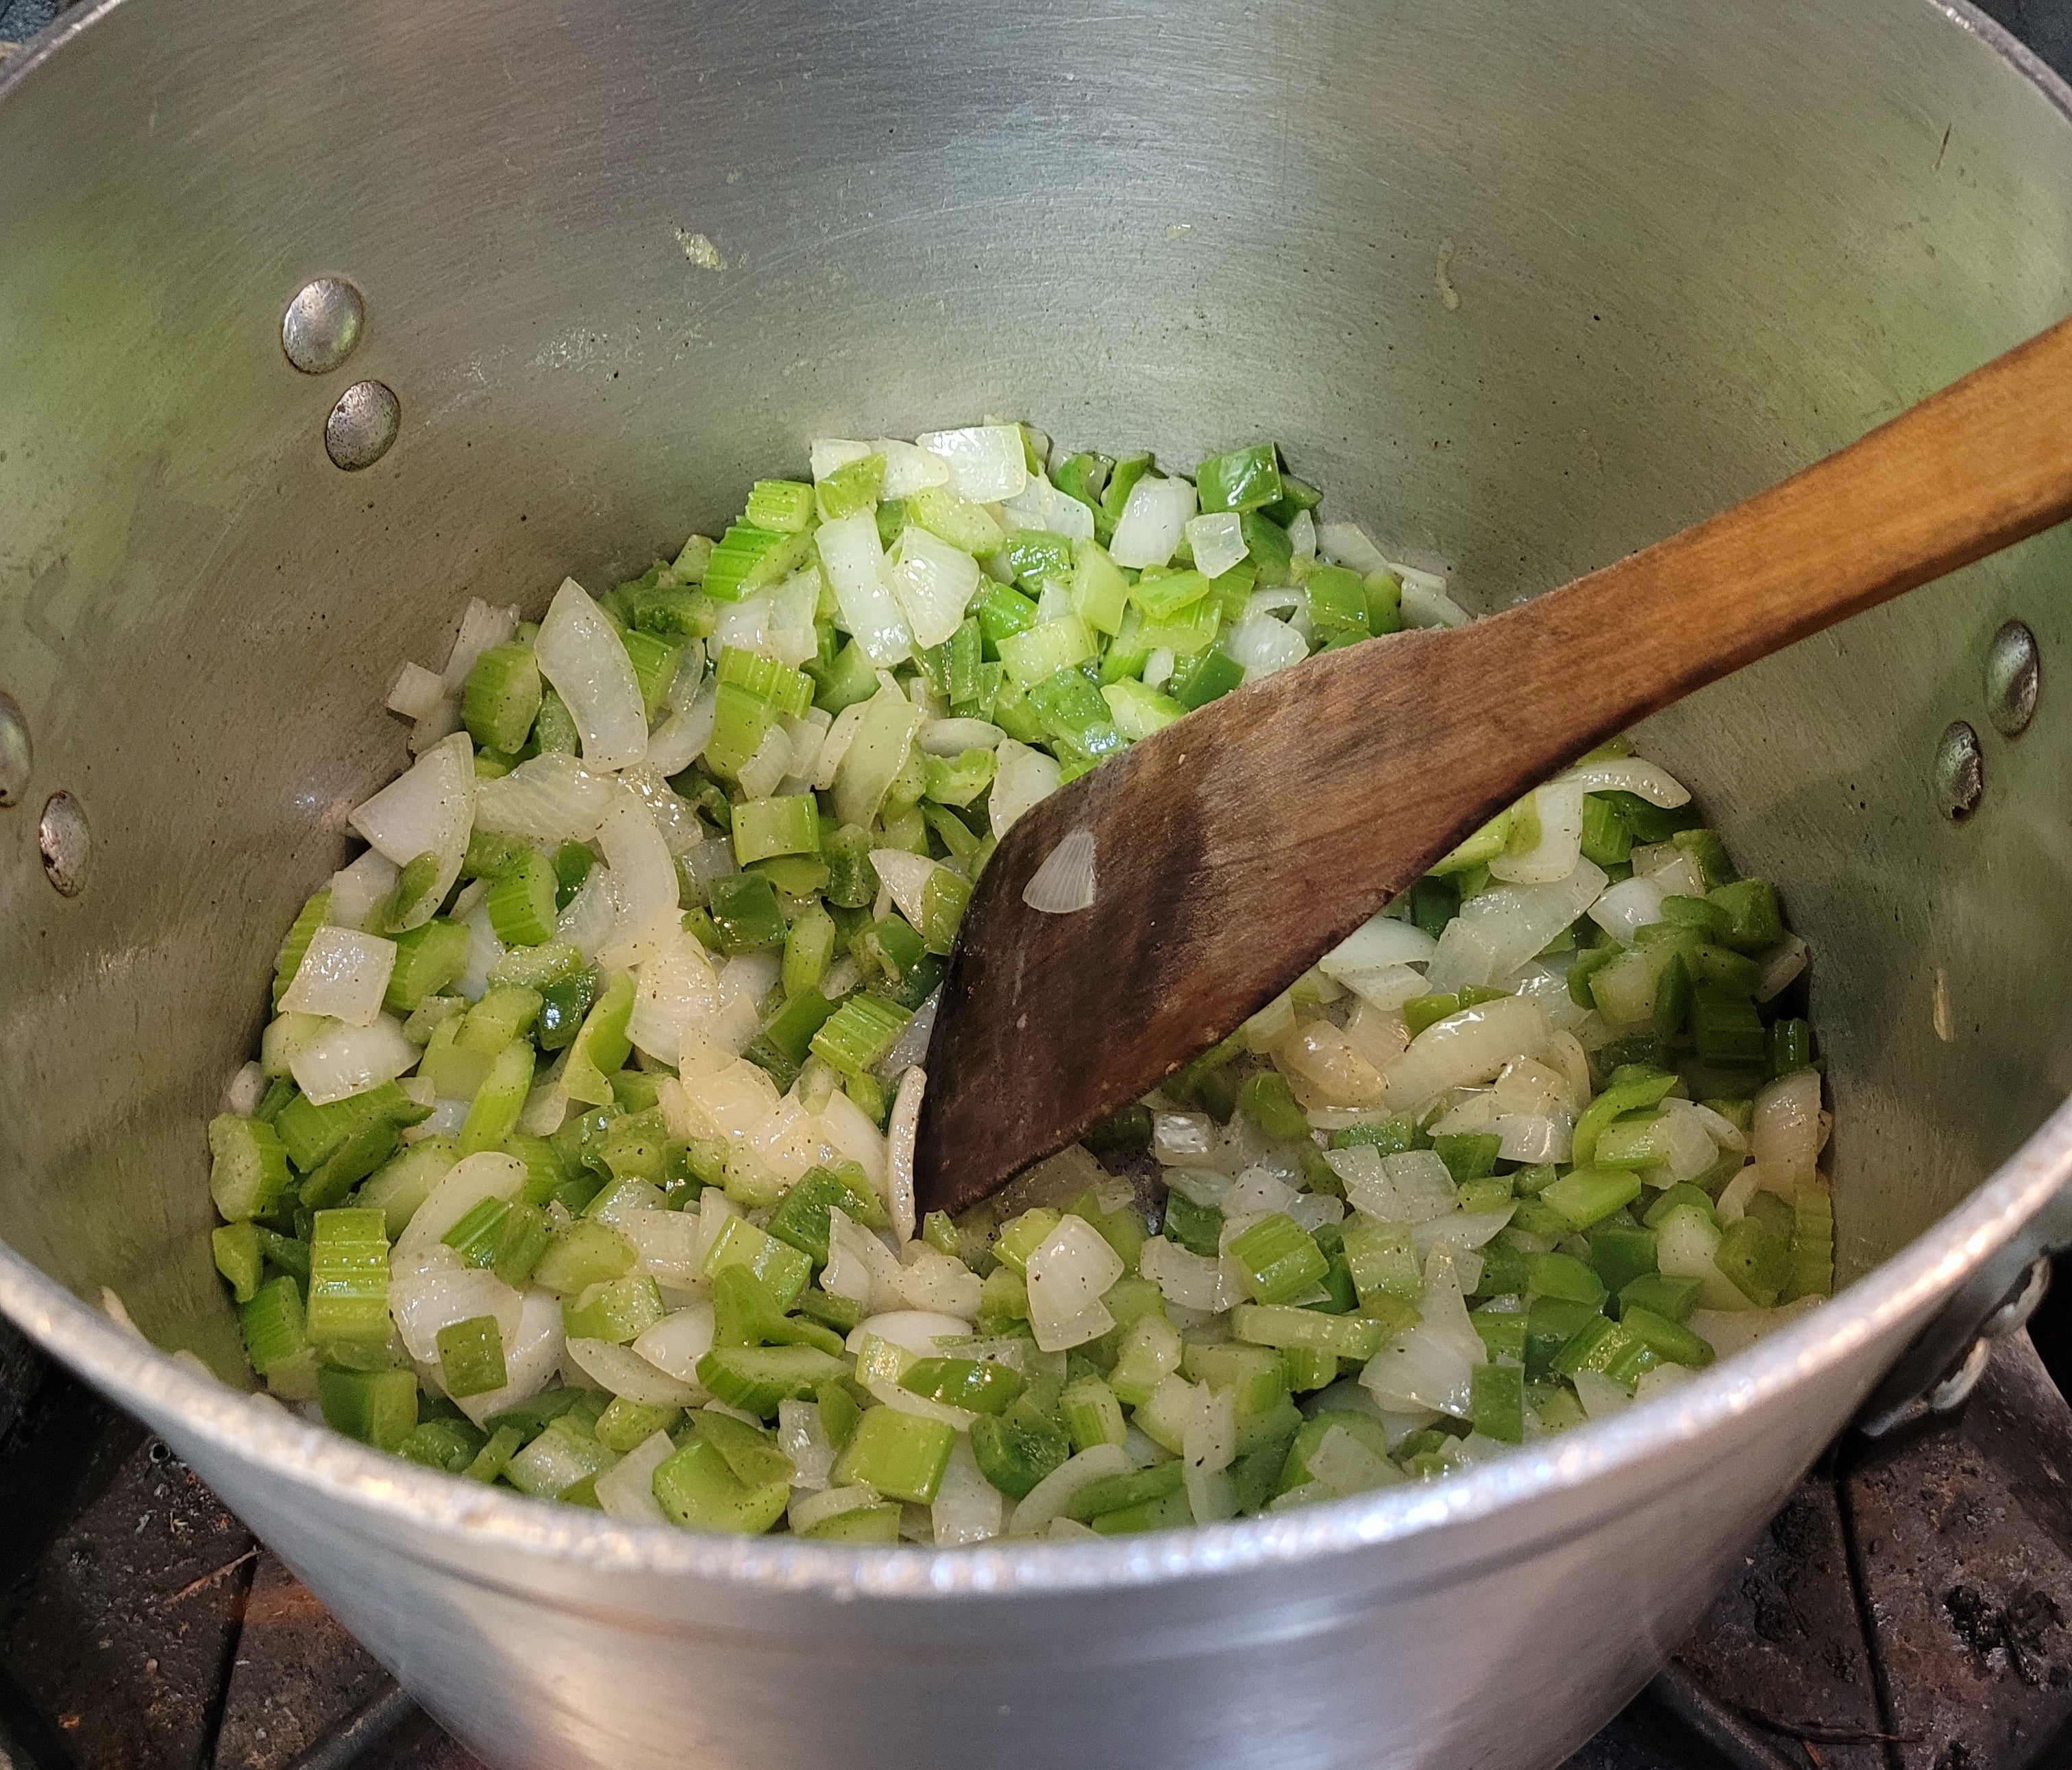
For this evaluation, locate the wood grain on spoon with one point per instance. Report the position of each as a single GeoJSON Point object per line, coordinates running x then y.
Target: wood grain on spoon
{"type": "Point", "coordinates": [1235, 847]}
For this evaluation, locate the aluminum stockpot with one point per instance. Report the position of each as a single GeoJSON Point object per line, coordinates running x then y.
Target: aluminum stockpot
{"type": "Point", "coordinates": [1524, 283]}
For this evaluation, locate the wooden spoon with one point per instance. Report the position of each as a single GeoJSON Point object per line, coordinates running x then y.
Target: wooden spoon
{"type": "Point", "coordinates": [1235, 847]}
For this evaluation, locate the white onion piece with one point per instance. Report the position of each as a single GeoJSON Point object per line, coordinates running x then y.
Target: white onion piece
{"type": "Point", "coordinates": [442, 722]}
{"type": "Point", "coordinates": [846, 1126]}
{"type": "Point", "coordinates": [588, 921]}
{"type": "Point", "coordinates": [1302, 535]}
{"type": "Point", "coordinates": [1153, 518]}
{"type": "Point", "coordinates": [491, 1175]}
{"type": "Point", "coordinates": [876, 752]}
{"type": "Point", "coordinates": [626, 1490]}
{"type": "Point", "coordinates": [484, 950]}
{"type": "Point", "coordinates": [1458, 1232]}
{"type": "Point", "coordinates": [967, 1507]}
{"type": "Point", "coordinates": [676, 990]}
{"type": "Point", "coordinates": [1065, 882]}
{"type": "Point", "coordinates": [481, 625]}
{"type": "Point", "coordinates": [1051, 1497]}
{"type": "Point", "coordinates": [642, 869]}
{"type": "Point", "coordinates": [921, 1332]}
{"type": "Point", "coordinates": [1634, 774]}
{"type": "Point", "coordinates": [829, 455]}
{"type": "Point", "coordinates": [934, 583]}
{"type": "Point", "coordinates": [953, 737]}
{"type": "Point", "coordinates": [341, 1060]}
{"type": "Point", "coordinates": [423, 1299]}
{"type": "Point", "coordinates": [1378, 1035]}
{"type": "Point", "coordinates": [1381, 939]}
{"type": "Point", "coordinates": [742, 626]}
{"type": "Point", "coordinates": [1500, 930]}
{"type": "Point", "coordinates": [900, 1126]}
{"type": "Point", "coordinates": [860, 1266]}
{"type": "Point", "coordinates": [1217, 540]}
{"type": "Point", "coordinates": [906, 875]}
{"type": "Point", "coordinates": [909, 468]}
{"type": "Point", "coordinates": [1425, 605]}
{"type": "Point", "coordinates": [429, 810]}
{"type": "Point", "coordinates": [1194, 1281]}
{"type": "Point", "coordinates": [1068, 1274]}
{"type": "Point", "coordinates": [344, 974]}
{"type": "Point", "coordinates": [680, 740]}
{"type": "Point", "coordinates": [802, 1439]}
{"type": "Point", "coordinates": [939, 1283]}
{"type": "Point", "coordinates": [1553, 857]}
{"type": "Point", "coordinates": [416, 692]}
{"type": "Point", "coordinates": [530, 1357]}
{"type": "Point", "coordinates": [357, 889]}
{"type": "Point", "coordinates": [548, 798]}
{"type": "Point", "coordinates": [665, 1242]}
{"type": "Point", "coordinates": [674, 1344]}
{"type": "Point", "coordinates": [1785, 1134]}
{"type": "Point", "coordinates": [1329, 1066]}
{"type": "Point", "coordinates": [986, 462]}
{"type": "Point", "coordinates": [808, 1509]}
{"type": "Point", "coordinates": [854, 561]}
{"type": "Point", "coordinates": [1628, 907]}
{"type": "Point", "coordinates": [1040, 504]}
{"type": "Point", "coordinates": [1728, 1331]}
{"type": "Point", "coordinates": [1265, 646]}
{"type": "Point", "coordinates": [1208, 1446]}
{"type": "Point", "coordinates": [624, 1372]}
{"type": "Point", "coordinates": [1601, 1397]}
{"type": "Point", "coordinates": [244, 1090]}
{"type": "Point", "coordinates": [673, 815]}
{"type": "Point", "coordinates": [1023, 776]}
{"type": "Point", "coordinates": [1384, 986]}
{"type": "Point", "coordinates": [1347, 544]}
{"type": "Point", "coordinates": [1466, 1049]}
{"type": "Point", "coordinates": [1780, 965]}
{"type": "Point", "coordinates": [1413, 1185]}
{"type": "Point", "coordinates": [911, 1047]}
{"type": "Point", "coordinates": [1660, 1380]}
{"type": "Point", "coordinates": [1183, 1140]}
{"type": "Point", "coordinates": [581, 654]}
{"type": "Point", "coordinates": [1431, 1364]}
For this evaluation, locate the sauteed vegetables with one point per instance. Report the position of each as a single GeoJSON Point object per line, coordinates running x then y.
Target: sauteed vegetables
{"type": "Point", "coordinates": [578, 1153]}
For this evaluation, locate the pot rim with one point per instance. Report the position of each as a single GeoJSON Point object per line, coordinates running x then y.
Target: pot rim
{"type": "Point", "coordinates": [426, 1504]}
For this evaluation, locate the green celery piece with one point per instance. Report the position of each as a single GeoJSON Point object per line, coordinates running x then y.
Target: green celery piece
{"type": "Point", "coordinates": [602, 1045]}
{"type": "Point", "coordinates": [1277, 1259]}
{"type": "Point", "coordinates": [249, 1167]}
{"type": "Point", "coordinates": [980, 1385]}
{"type": "Point", "coordinates": [501, 697]}
{"type": "Point", "coordinates": [584, 1253]}
{"type": "Point", "coordinates": [378, 1408]}
{"type": "Point", "coordinates": [471, 1356]}
{"type": "Point", "coordinates": [901, 1455]}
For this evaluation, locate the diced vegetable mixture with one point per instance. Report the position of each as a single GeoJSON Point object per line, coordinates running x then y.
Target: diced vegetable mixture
{"type": "Point", "coordinates": [578, 1153]}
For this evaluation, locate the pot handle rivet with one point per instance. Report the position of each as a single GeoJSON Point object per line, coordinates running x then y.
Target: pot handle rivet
{"type": "Point", "coordinates": [2012, 672]}
{"type": "Point", "coordinates": [1960, 771]}
{"type": "Point", "coordinates": [362, 426]}
{"type": "Point", "coordinates": [65, 842]}
{"type": "Point", "coordinates": [322, 326]}
{"type": "Point", "coordinates": [15, 755]}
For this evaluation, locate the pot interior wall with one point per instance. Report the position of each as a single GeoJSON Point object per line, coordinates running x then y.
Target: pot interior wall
{"type": "Point", "coordinates": [1524, 284]}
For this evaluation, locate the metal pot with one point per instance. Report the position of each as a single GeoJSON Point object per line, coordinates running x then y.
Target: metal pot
{"type": "Point", "coordinates": [1528, 282]}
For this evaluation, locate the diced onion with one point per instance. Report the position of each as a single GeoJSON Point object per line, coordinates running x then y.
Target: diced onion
{"type": "Point", "coordinates": [674, 1344]}
{"type": "Point", "coordinates": [581, 654]}
{"type": "Point", "coordinates": [626, 1490]}
{"type": "Point", "coordinates": [1380, 940]}
{"type": "Point", "coordinates": [1040, 504]}
{"type": "Point", "coordinates": [1781, 965]}
{"type": "Point", "coordinates": [909, 468]}
{"type": "Point", "coordinates": [906, 875]}
{"type": "Point", "coordinates": [1424, 605]}
{"type": "Point", "coordinates": [1553, 857]}
{"type": "Point", "coordinates": [1065, 882]}
{"type": "Point", "coordinates": [1467, 1048]}
{"type": "Point", "coordinates": [1264, 645]}
{"type": "Point", "coordinates": [642, 871]}
{"type": "Point", "coordinates": [801, 1437]}
{"type": "Point", "coordinates": [1347, 544]}
{"type": "Point", "coordinates": [1153, 518]}
{"type": "Point", "coordinates": [677, 989]}
{"type": "Point", "coordinates": [899, 1129]}
{"type": "Point", "coordinates": [953, 737]}
{"type": "Point", "coordinates": [1022, 776]}
{"type": "Point", "coordinates": [935, 583]}
{"type": "Point", "coordinates": [342, 1061]}
{"type": "Point", "coordinates": [547, 798]}
{"type": "Point", "coordinates": [1628, 907]}
{"type": "Point", "coordinates": [853, 558]}
{"type": "Point", "coordinates": [357, 889]}
{"type": "Point", "coordinates": [1499, 930]}
{"type": "Point", "coordinates": [429, 810]}
{"type": "Point", "coordinates": [1217, 540]}
{"type": "Point", "coordinates": [681, 738]}
{"type": "Point", "coordinates": [1785, 1135]}
{"type": "Point", "coordinates": [967, 1508]}
{"type": "Point", "coordinates": [344, 974]}
{"type": "Point", "coordinates": [1431, 1363]}
{"type": "Point", "coordinates": [1413, 1185]}
{"type": "Point", "coordinates": [424, 1298]}
{"type": "Point", "coordinates": [491, 1175]}
{"type": "Point", "coordinates": [1191, 1280]}
{"type": "Point", "coordinates": [417, 692]}
{"type": "Point", "coordinates": [530, 1357]}
{"type": "Point", "coordinates": [588, 921]}
{"type": "Point", "coordinates": [1634, 774]}
{"type": "Point", "coordinates": [875, 754]}
{"type": "Point", "coordinates": [481, 625]}
{"type": "Point", "coordinates": [1051, 1497]}
{"type": "Point", "coordinates": [1068, 1274]}
{"type": "Point", "coordinates": [1302, 535]}
{"type": "Point", "coordinates": [986, 462]}
{"type": "Point", "coordinates": [624, 1372]}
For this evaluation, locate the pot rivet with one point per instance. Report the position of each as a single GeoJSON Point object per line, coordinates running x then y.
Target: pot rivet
{"type": "Point", "coordinates": [2011, 679]}
{"type": "Point", "coordinates": [14, 753]}
{"type": "Point", "coordinates": [65, 839]}
{"type": "Point", "coordinates": [362, 426]}
{"type": "Point", "coordinates": [322, 325]}
{"type": "Point", "coordinates": [1960, 771]}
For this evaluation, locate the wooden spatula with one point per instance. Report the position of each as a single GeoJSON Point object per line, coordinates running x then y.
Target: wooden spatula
{"type": "Point", "coordinates": [1237, 846]}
